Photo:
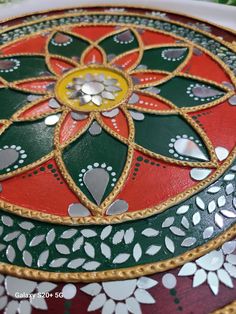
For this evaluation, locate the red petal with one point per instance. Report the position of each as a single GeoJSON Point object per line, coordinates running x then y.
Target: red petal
{"type": "Point", "coordinates": [118, 124]}
{"type": "Point", "coordinates": [93, 32]}
{"type": "Point", "coordinates": [203, 65]}
{"type": "Point", "coordinates": [149, 102]}
{"type": "Point", "coordinates": [142, 78]}
{"type": "Point", "coordinates": [93, 55]}
{"type": "Point", "coordinates": [59, 66]}
{"type": "Point", "coordinates": [39, 109]}
{"type": "Point", "coordinates": [150, 38]}
{"type": "Point", "coordinates": [40, 189]}
{"type": "Point", "coordinates": [152, 178]}
{"type": "Point", "coordinates": [127, 61]}
{"type": "Point", "coordinates": [34, 44]}
{"type": "Point", "coordinates": [219, 124]}
{"type": "Point", "coordinates": [40, 85]}
{"type": "Point", "coordinates": [70, 128]}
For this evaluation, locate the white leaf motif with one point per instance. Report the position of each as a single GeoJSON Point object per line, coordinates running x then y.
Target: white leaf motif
{"type": "Point", "coordinates": [169, 244]}
{"type": "Point", "coordinates": [137, 252]}
{"type": "Point", "coordinates": [89, 250]}
{"type": "Point", "coordinates": [153, 249]}
{"type": "Point", "coordinates": [106, 232]}
{"type": "Point", "coordinates": [106, 251]}
{"type": "Point", "coordinates": [150, 232]}
{"type": "Point", "coordinates": [121, 258]}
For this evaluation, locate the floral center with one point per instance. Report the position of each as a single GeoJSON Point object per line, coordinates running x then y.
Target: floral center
{"type": "Point", "coordinates": [94, 88]}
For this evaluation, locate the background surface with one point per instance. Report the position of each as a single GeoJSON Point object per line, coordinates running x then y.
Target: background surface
{"type": "Point", "coordinates": [217, 13]}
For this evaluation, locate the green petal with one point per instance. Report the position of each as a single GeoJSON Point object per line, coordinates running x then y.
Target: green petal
{"type": "Point", "coordinates": [101, 152]}
{"type": "Point", "coordinates": [158, 133]}
{"type": "Point", "coordinates": [67, 45]}
{"type": "Point", "coordinates": [11, 101]}
{"type": "Point", "coordinates": [22, 67]}
{"type": "Point", "coordinates": [190, 92]}
{"type": "Point", "coordinates": [164, 59]}
{"type": "Point", "coordinates": [24, 143]}
{"type": "Point", "coordinates": [119, 43]}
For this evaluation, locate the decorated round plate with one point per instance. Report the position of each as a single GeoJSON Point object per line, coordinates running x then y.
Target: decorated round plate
{"type": "Point", "coordinates": [117, 148]}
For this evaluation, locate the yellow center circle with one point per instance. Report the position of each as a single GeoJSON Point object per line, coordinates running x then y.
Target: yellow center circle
{"type": "Point", "coordinates": [93, 88]}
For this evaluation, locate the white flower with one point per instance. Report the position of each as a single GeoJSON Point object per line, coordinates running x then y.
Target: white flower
{"type": "Point", "coordinates": [214, 268]}
{"type": "Point", "coordinates": [20, 295]}
{"type": "Point", "coordinates": [93, 89]}
{"type": "Point", "coordinates": [120, 296]}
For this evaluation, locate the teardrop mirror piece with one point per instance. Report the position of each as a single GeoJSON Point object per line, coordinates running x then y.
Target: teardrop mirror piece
{"type": "Point", "coordinates": [96, 181]}
{"type": "Point", "coordinates": [204, 92]}
{"type": "Point", "coordinates": [189, 148]}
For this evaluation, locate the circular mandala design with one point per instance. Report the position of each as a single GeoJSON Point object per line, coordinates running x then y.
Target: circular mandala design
{"type": "Point", "coordinates": [107, 119]}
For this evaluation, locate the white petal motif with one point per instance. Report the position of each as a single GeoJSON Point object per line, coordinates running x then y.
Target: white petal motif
{"type": "Point", "coordinates": [168, 222]}
{"type": "Point", "coordinates": [199, 278]}
{"type": "Point", "coordinates": [225, 278]}
{"type": "Point", "coordinates": [121, 308]}
{"type": "Point", "coordinates": [211, 261]}
{"type": "Point", "coordinates": [133, 306]}
{"type": "Point", "coordinates": [106, 251]}
{"type": "Point", "coordinates": [119, 290]}
{"type": "Point", "coordinates": [143, 296]}
{"type": "Point", "coordinates": [121, 258]}
{"type": "Point", "coordinates": [208, 232]}
{"type": "Point", "coordinates": [182, 209]}
{"type": "Point", "coordinates": [109, 307]}
{"type": "Point", "coordinates": [188, 242]}
{"type": "Point", "coordinates": [229, 247]}
{"type": "Point", "coordinates": [11, 307]}
{"type": "Point", "coordinates": [231, 269]}
{"type": "Point", "coordinates": [89, 250]}
{"type": "Point", "coordinates": [24, 307]}
{"type": "Point", "coordinates": [38, 303]}
{"type": "Point", "coordinates": [150, 232]}
{"type": "Point", "coordinates": [196, 218]}
{"type": "Point", "coordinates": [15, 285]}
{"type": "Point", "coordinates": [46, 287]}
{"type": "Point", "coordinates": [231, 258]}
{"type": "Point", "coordinates": [97, 302]}
{"type": "Point", "coordinates": [213, 282]}
{"type": "Point", "coordinates": [153, 249]}
{"type": "Point", "coordinates": [169, 244]}
{"type": "Point", "coordinates": [3, 302]}
{"type": "Point", "coordinates": [188, 269]}
{"type": "Point", "coordinates": [146, 283]}
{"type": "Point", "coordinates": [92, 289]}
{"type": "Point", "coordinates": [129, 236]}
{"type": "Point", "coordinates": [137, 252]}
{"type": "Point", "coordinates": [106, 232]}
{"type": "Point", "coordinates": [91, 265]}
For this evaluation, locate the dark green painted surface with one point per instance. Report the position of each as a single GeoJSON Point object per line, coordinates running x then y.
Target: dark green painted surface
{"type": "Point", "coordinates": [153, 59]}
{"type": "Point", "coordinates": [29, 67]}
{"type": "Point", "coordinates": [75, 48]}
{"type": "Point", "coordinates": [11, 101]}
{"type": "Point", "coordinates": [175, 90]}
{"type": "Point", "coordinates": [155, 132]}
{"type": "Point", "coordinates": [113, 47]}
{"type": "Point", "coordinates": [36, 138]}
{"type": "Point", "coordinates": [89, 149]}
